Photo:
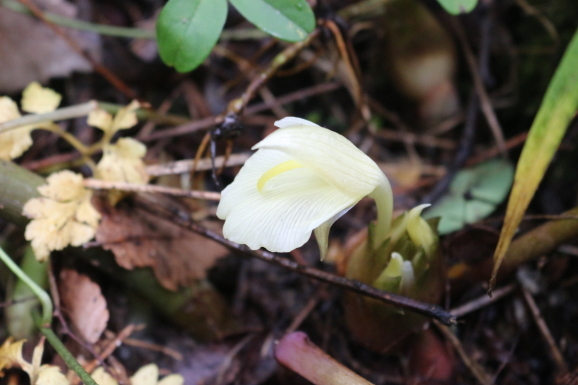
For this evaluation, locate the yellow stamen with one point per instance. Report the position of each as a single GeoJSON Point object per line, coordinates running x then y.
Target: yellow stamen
{"type": "Point", "coordinates": [279, 169]}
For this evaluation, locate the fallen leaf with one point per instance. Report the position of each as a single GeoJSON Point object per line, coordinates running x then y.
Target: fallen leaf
{"type": "Point", "coordinates": [13, 143]}
{"type": "Point", "coordinates": [102, 377]}
{"type": "Point", "coordinates": [50, 375]}
{"type": "Point", "coordinates": [140, 239]}
{"type": "Point", "coordinates": [122, 162]}
{"type": "Point", "coordinates": [38, 100]}
{"type": "Point", "coordinates": [147, 375]}
{"type": "Point", "coordinates": [35, 99]}
{"type": "Point", "coordinates": [42, 54]}
{"type": "Point", "coordinates": [11, 356]}
{"type": "Point", "coordinates": [62, 216]}
{"type": "Point", "coordinates": [84, 304]}
{"type": "Point", "coordinates": [124, 118]}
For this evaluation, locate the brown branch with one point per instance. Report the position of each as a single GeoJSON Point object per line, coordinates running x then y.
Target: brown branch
{"type": "Point", "coordinates": [482, 93]}
{"type": "Point", "coordinates": [97, 184]}
{"type": "Point", "coordinates": [426, 309]}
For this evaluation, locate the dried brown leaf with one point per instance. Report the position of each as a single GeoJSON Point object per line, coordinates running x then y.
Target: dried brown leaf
{"type": "Point", "coordinates": [84, 304]}
{"type": "Point", "coordinates": [31, 51]}
{"type": "Point", "coordinates": [62, 216]}
{"type": "Point", "coordinates": [140, 239]}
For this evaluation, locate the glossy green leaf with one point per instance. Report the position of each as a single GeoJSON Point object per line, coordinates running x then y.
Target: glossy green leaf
{"type": "Point", "coordinates": [455, 7]}
{"type": "Point", "coordinates": [187, 31]}
{"type": "Point", "coordinates": [290, 20]}
{"type": "Point", "coordinates": [473, 195]}
{"type": "Point", "coordinates": [556, 111]}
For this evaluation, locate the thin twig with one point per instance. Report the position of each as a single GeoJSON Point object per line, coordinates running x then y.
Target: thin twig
{"type": "Point", "coordinates": [205, 123]}
{"type": "Point", "coordinates": [306, 310]}
{"type": "Point", "coordinates": [483, 301]}
{"type": "Point", "coordinates": [464, 150]}
{"type": "Point", "coordinates": [97, 184]}
{"type": "Point", "coordinates": [478, 372]}
{"type": "Point", "coordinates": [236, 106]}
{"type": "Point", "coordinates": [184, 166]}
{"type": "Point", "coordinates": [428, 310]}
{"type": "Point", "coordinates": [71, 112]}
{"type": "Point", "coordinates": [485, 102]}
{"type": "Point", "coordinates": [545, 331]}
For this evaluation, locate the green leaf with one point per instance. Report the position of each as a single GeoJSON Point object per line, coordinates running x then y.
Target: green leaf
{"type": "Point", "coordinates": [556, 111]}
{"type": "Point", "coordinates": [290, 20]}
{"type": "Point", "coordinates": [474, 194]}
{"type": "Point", "coordinates": [455, 7]}
{"type": "Point", "coordinates": [187, 31]}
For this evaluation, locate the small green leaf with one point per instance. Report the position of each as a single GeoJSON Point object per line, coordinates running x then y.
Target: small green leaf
{"type": "Point", "coordinates": [290, 20]}
{"type": "Point", "coordinates": [474, 194]}
{"type": "Point", "coordinates": [455, 7]}
{"type": "Point", "coordinates": [187, 31]}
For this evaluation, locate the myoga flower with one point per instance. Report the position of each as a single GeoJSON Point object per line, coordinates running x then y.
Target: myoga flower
{"type": "Point", "coordinates": [302, 179]}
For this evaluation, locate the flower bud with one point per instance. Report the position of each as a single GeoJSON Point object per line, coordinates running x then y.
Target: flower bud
{"type": "Point", "coordinates": [406, 263]}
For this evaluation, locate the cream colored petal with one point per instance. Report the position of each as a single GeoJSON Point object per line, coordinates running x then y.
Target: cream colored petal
{"type": "Point", "coordinates": [332, 156]}
{"type": "Point", "coordinates": [282, 216]}
{"type": "Point", "coordinates": [294, 121]}
{"type": "Point", "coordinates": [101, 119]}
{"type": "Point", "coordinates": [38, 100]}
{"type": "Point", "coordinates": [322, 232]}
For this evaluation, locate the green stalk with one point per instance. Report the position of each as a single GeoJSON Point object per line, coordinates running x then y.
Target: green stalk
{"type": "Point", "coordinates": [126, 32]}
{"type": "Point", "coordinates": [76, 111]}
{"type": "Point", "coordinates": [136, 33]}
{"type": "Point", "coordinates": [68, 358]}
{"type": "Point", "coordinates": [43, 297]}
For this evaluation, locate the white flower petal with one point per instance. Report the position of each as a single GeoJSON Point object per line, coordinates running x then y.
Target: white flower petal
{"type": "Point", "coordinates": [294, 121]}
{"type": "Point", "coordinates": [330, 155]}
{"type": "Point", "coordinates": [322, 232]}
{"type": "Point", "coordinates": [290, 205]}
